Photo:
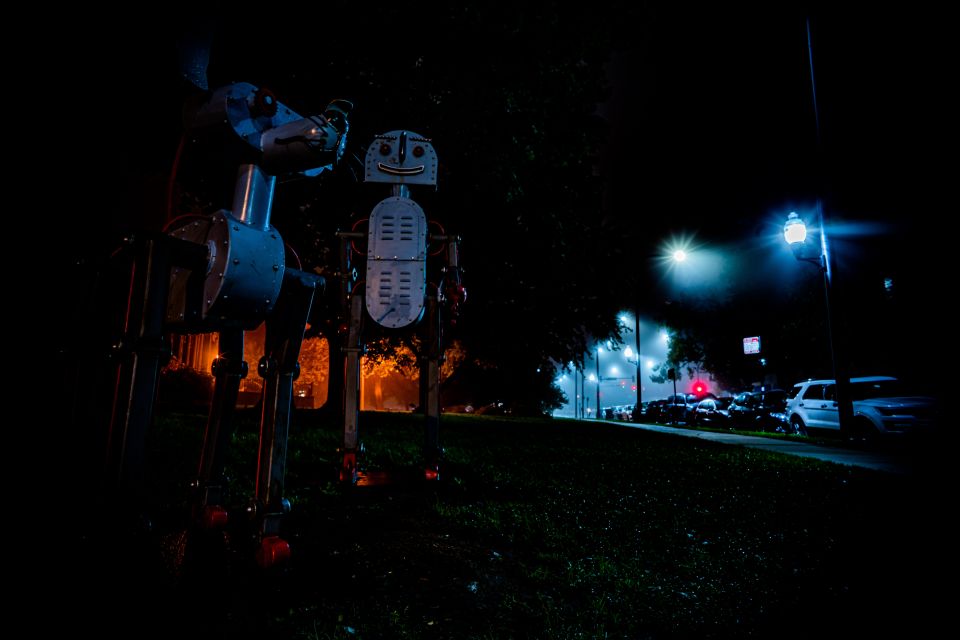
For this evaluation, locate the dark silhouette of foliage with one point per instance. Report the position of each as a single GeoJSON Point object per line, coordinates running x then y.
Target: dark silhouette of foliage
{"type": "Point", "coordinates": [509, 98]}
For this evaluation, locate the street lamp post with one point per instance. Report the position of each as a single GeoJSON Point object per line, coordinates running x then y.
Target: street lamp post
{"type": "Point", "coordinates": [675, 255]}
{"type": "Point", "coordinates": [576, 394]}
{"type": "Point", "coordinates": [637, 407]}
{"type": "Point", "coordinates": [635, 417]}
{"type": "Point", "coordinates": [599, 349]}
{"type": "Point", "coordinates": [583, 395]}
{"type": "Point", "coordinates": [795, 233]}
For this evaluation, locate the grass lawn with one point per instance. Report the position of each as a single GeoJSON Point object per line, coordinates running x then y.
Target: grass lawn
{"type": "Point", "coordinates": [539, 529]}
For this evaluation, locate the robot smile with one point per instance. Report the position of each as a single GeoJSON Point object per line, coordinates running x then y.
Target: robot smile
{"type": "Point", "coordinates": [400, 171]}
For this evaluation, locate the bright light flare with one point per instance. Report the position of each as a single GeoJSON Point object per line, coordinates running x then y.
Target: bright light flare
{"type": "Point", "coordinates": [794, 231]}
{"type": "Point", "coordinates": [677, 250]}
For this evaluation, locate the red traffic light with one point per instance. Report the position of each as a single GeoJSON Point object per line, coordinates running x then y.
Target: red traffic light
{"type": "Point", "coordinates": [699, 387]}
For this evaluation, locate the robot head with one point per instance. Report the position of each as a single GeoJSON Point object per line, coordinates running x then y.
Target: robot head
{"type": "Point", "coordinates": [401, 157]}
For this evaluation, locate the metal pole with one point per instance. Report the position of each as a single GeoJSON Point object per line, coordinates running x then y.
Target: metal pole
{"type": "Point", "coordinates": [827, 266]}
{"type": "Point", "coordinates": [637, 406]}
{"type": "Point", "coordinates": [576, 395]}
{"type": "Point", "coordinates": [228, 370]}
{"type": "Point", "coordinates": [598, 383]}
{"type": "Point", "coordinates": [351, 389]}
{"type": "Point", "coordinates": [430, 390]}
{"type": "Point", "coordinates": [840, 374]}
{"type": "Point", "coordinates": [674, 412]}
{"type": "Point", "coordinates": [583, 394]}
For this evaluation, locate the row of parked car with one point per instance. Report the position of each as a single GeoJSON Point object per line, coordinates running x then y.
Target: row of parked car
{"type": "Point", "coordinates": [621, 412]}
{"type": "Point", "coordinates": [881, 407]}
{"type": "Point", "coordinates": [750, 410]}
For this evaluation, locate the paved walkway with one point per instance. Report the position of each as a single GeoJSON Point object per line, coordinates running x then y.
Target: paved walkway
{"type": "Point", "coordinates": [879, 460]}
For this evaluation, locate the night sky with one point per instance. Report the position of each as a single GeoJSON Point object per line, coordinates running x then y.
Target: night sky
{"type": "Point", "coordinates": [712, 125]}
{"type": "Point", "coordinates": [717, 111]}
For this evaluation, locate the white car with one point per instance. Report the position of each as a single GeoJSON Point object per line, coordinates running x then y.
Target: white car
{"type": "Point", "coordinates": [880, 407]}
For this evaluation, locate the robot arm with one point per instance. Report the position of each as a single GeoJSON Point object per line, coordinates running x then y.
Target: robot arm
{"type": "Point", "coordinates": [311, 144]}
{"type": "Point", "coordinates": [283, 140]}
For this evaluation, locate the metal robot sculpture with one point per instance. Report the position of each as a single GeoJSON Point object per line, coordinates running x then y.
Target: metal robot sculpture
{"type": "Point", "coordinates": [227, 273]}
{"type": "Point", "coordinates": [397, 292]}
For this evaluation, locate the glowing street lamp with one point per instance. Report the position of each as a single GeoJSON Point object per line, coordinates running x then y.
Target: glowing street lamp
{"type": "Point", "coordinates": [795, 231]}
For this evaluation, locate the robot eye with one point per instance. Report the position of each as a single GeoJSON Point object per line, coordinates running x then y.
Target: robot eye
{"type": "Point", "coordinates": [417, 151]}
{"type": "Point", "coordinates": [385, 149]}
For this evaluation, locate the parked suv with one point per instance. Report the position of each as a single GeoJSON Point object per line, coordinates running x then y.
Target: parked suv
{"type": "Point", "coordinates": [880, 407]}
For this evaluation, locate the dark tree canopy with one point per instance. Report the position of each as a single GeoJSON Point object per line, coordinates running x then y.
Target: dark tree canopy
{"type": "Point", "coordinates": [509, 95]}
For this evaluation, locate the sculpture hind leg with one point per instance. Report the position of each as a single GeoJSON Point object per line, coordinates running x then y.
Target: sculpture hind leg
{"type": "Point", "coordinates": [228, 370]}
{"type": "Point", "coordinates": [279, 367]}
{"type": "Point", "coordinates": [430, 390]}
{"type": "Point", "coordinates": [351, 392]}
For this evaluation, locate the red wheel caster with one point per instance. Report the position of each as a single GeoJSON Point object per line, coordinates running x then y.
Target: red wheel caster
{"type": "Point", "coordinates": [348, 472]}
{"type": "Point", "coordinates": [213, 517]}
{"type": "Point", "coordinates": [273, 551]}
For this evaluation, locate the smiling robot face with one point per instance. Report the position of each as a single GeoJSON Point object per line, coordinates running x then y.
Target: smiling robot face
{"type": "Point", "coordinates": [401, 157]}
